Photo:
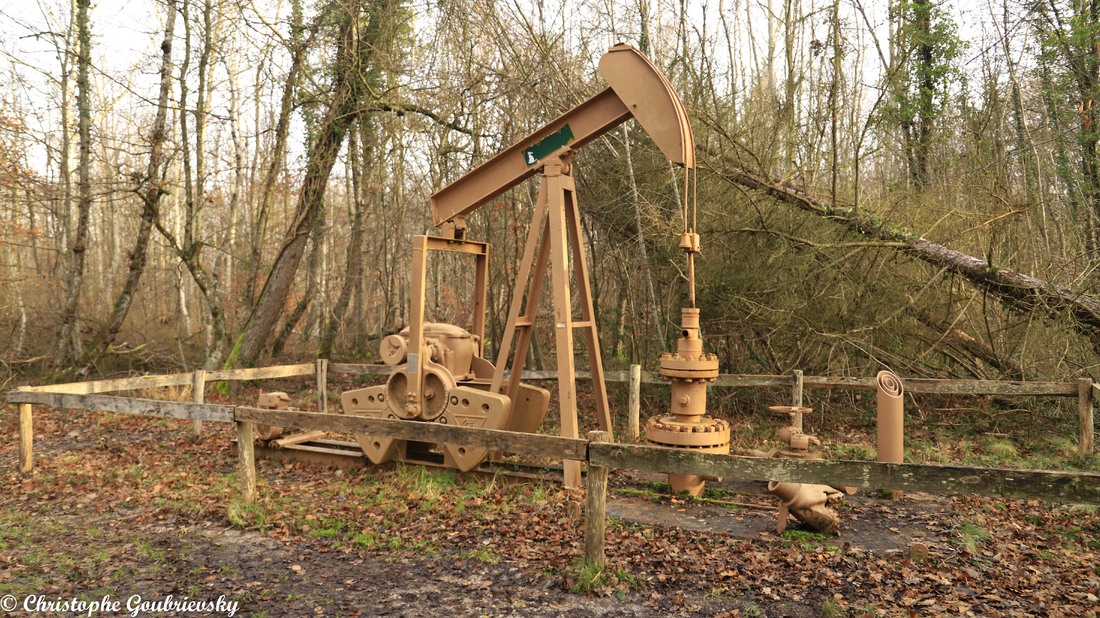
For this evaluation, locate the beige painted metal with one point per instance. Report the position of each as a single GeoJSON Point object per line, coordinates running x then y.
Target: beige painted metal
{"type": "Point", "coordinates": [656, 107]}
{"type": "Point", "coordinates": [298, 438]}
{"type": "Point", "coordinates": [560, 207]}
{"type": "Point", "coordinates": [813, 505]}
{"type": "Point", "coordinates": [439, 374]}
{"type": "Point", "coordinates": [553, 235]}
{"type": "Point", "coordinates": [416, 350]}
{"type": "Point", "coordinates": [636, 88]}
{"type": "Point", "coordinates": [470, 407]}
{"type": "Point", "coordinates": [371, 402]}
{"type": "Point", "coordinates": [798, 443]}
{"type": "Point", "coordinates": [810, 504]}
{"type": "Point", "coordinates": [891, 418]}
{"type": "Point", "coordinates": [689, 369]}
{"type": "Point", "coordinates": [418, 276]}
{"type": "Point", "coordinates": [524, 309]}
{"type": "Point", "coordinates": [275, 400]}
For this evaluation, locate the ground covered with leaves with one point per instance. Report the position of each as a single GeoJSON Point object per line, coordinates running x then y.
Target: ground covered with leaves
{"type": "Point", "coordinates": [122, 506]}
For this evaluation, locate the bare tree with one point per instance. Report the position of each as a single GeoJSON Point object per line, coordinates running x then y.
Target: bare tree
{"type": "Point", "coordinates": [69, 345]}
{"type": "Point", "coordinates": [346, 100]}
{"type": "Point", "coordinates": [150, 188]}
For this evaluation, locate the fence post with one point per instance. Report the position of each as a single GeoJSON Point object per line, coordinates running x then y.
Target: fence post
{"type": "Point", "coordinates": [634, 402]}
{"type": "Point", "coordinates": [796, 395]}
{"type": "Point", "coordinates": [595, 506]}
{"type": "Point", "coordinates": [198, 395]}
{"type": "Point", "coordinates": [26, 437]}
{"type": "Point", "coordinates": [322, 385]}
{"type": "Point", "coordinates": [1085, 445]}
{"type": "Point", "coordinates": [246, 453]}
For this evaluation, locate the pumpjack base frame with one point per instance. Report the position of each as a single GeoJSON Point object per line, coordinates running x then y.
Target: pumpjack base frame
{"type": "Point", "coordinates": [347, 455]}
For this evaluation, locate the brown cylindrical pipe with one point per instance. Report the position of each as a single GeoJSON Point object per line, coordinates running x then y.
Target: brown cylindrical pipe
{"type": "Point", "coordinates": [808, 503]}
{"type": "Point", "coordinates": [786, 492]}
{"type": "Point", "coordinates": [891, 418]}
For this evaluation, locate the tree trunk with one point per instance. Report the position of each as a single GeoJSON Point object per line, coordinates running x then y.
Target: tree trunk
{"type": "Point", "coordinates": [926, 88]}
{"type": "Point", "coordinates": [330, 136]}
{"type": "Point", "coordinates": [1016, 290]}
{"type": "Point", "coordinates": [69, 339]}
{"type": "Point", "coordinates": [360, 166]}
{"type": "Point", "coordinates": [150, 192]}
{"type": "Point", "coordinates": [311, 293]}
{"type": "Point", "coordinates": [64, 155]}
{"type": "Point", "coordinates": [299, 47]}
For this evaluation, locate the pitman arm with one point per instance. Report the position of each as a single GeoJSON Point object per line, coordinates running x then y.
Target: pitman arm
{"type": "Point", "coordinates": [636, 89]}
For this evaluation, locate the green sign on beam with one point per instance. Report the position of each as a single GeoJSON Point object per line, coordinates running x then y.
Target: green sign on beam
{"type": "Point", "coordinates": [547, 145]}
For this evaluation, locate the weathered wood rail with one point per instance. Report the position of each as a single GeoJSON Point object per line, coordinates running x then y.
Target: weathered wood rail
{"type": "Point", "coordinates": [76, 395]}
{"type": "Point", "coordinates": [600, 454]}
{"type": "Point", "coordinates": [1083, 389]}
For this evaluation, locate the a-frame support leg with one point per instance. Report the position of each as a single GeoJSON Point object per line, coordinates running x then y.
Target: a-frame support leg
{"type": "Point", "coordinates": [588, 313]}
{"type": "Point", "coordinates": [557, 217]}
{"type": "Point", "coordinates": [528, 305]}
{"type": "Point", "coordinates": [557, 186]}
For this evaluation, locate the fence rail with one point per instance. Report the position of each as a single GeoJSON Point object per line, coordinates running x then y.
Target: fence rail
{"type": "Point", "coordinates": [536, 445]}
{"type": "Point", "coordinates": [912, 385]}
{"type": "Point", "coordinates": [127, 405]}
{"type": "Point", "coordinates": [1083, 389]}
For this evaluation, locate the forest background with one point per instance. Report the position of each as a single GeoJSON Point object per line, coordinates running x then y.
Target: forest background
{"type": "Point", "coordinates": [200, 183]}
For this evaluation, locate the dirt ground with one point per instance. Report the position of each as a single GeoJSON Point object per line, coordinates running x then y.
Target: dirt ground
{"type": "Point", "coordinates": [124, 506]}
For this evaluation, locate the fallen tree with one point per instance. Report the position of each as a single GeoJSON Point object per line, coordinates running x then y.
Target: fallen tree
{"type": "Point", "coordinates": [1016, 290]}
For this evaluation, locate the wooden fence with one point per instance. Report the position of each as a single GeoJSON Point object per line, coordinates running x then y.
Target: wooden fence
{"type": "Point", "coordinates": [600, 454]}
{"type": "Point", "coordinates": [1082, 389]}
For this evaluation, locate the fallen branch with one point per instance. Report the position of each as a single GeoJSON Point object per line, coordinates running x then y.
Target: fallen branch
{"type": "Point", "coordinates": [1017, 290]}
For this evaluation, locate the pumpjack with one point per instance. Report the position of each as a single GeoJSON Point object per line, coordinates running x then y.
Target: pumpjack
{"type": "Point", "coordinates": [440, 373]}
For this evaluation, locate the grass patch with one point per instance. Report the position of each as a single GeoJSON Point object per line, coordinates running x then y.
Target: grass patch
{"type": "Point", "coordinates": [485, 555]}
{"type": "Point", "coordinates": [1085, 509]}
{"type": "Point", "coordinates": [752, 610]}
{"type": "Point", "coordinates": [632, 492]}
{"type": "Point", "coordinates": [595, 577]}
{"type": "Point", "coordinates": [831, 609]}
{"type": "Point", "coordinates": [151, 552]}
{"type": "Point", "coordinates": [323, 528]}
{"type": "Point", "coordinates": [805, 539]}
{"type": "Point", "coordinates": [1002, 448]}
{"type": "Point", "coordinates": [241, 514]}
{"type": "Point", "coordinates": [365, 539]}
{"type": "Point", "coordinates": [852, 452]}
{"type": "Point", "coordinates": [970, 536]}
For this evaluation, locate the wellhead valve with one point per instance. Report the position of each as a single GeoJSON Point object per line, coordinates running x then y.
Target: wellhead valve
{"type": "Point", "coordinates": [689, 370]}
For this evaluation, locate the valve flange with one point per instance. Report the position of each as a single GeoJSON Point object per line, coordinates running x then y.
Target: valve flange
{"type": "Point", "coordinates": [689, 370]}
